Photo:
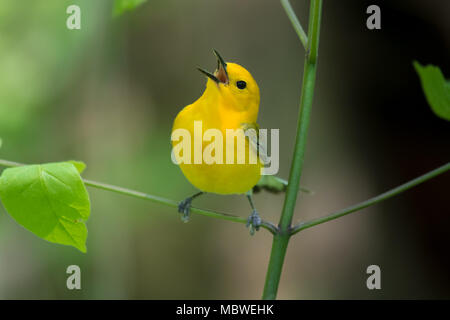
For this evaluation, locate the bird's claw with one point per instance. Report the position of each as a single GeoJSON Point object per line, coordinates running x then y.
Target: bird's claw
{"type": "Point", "coordinates": [184, 207]}
{"type": "Point", "coordinates": [254, 222]}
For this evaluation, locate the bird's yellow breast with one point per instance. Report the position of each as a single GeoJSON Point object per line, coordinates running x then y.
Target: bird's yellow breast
{"type": "Point", "coordinates": [217, 178]}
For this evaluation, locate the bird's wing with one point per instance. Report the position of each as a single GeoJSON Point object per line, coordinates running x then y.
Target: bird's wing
{"type": "Point", "coordinates": [251, 131]}
{"type": "Point", "coordinates": [268, 182]}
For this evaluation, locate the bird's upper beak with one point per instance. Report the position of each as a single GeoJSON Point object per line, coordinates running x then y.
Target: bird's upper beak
{"type": "Point", "coordinates": [221, 74]}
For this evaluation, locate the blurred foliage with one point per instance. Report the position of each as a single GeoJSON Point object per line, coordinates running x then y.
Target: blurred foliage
{"type": "Point", "coordinates": [436, 89]}
{"type": "Point", "coordinates": [121, 6]}
{"type": "Point", "coordinates": [31, 55]}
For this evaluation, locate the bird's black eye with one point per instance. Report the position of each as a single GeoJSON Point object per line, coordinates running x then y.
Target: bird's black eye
{"type": "Point", "coordinates": [241, 84]}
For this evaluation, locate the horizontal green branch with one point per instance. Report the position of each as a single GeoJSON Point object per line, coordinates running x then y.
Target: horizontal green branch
{"type": "Point", "coordinates": [171, 203]}
{"type": "Point", "coordinates": [374, 200]}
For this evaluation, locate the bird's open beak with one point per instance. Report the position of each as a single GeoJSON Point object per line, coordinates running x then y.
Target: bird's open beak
{"type": "Point", "coordinates": [221, 74]}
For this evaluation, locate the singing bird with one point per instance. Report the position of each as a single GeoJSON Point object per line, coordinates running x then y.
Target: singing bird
{"type": "Point", "coordinates": [230, 101]}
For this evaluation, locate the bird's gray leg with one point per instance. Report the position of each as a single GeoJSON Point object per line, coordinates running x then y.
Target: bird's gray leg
{"type": "Point", "coordinates": [254, 220]}
{"type": "Point", "coordinates": [184, 207]}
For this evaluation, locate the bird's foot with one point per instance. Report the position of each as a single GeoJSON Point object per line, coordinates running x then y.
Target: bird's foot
{"type": "Point", "coordinates": [253, 222]}
{"type": "Point", "coordinates": [184, 207]}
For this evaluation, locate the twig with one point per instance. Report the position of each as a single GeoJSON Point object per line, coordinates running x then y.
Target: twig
{"type": "Point", "coordinates": [295, 23]}
{"type": "Point", "coordinates": [388, 194]}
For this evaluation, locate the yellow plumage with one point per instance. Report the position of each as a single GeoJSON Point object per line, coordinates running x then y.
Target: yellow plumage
{"type": "Point", "coordinates": [230, 101]}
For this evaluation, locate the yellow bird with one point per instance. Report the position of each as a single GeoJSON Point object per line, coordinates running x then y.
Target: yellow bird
{"type": "Point", "coordinates": [230, 101]}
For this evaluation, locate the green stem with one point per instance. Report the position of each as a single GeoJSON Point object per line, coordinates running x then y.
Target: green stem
{"type": "Point", "coordinates": [6, 163]}
{"type": "Point", "coordinates": [372, 201]}
{"type": "Point", "coordinates": [295, 23]}
{"type": "Point", "coordinates": [277, 254]}
{"type": "Point", "coordinates": [171, 203]}
{"type": "Point", "coordinates": [280, 241]}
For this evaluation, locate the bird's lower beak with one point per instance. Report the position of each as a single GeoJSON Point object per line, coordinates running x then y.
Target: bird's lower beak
{"type": "Point", "coordinates": [221, 74]}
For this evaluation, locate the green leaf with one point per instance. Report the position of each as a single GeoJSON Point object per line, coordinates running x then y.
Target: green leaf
{"type": "Point", "coordinates": [436, 88]}
{"type": "Point", "coordinates": [274, 184]}
{"type": "Point", "coordinates": [121, 6]}
{"type": "Point", "coordinates": [79, 165]}
{"type": "Point", "coordinates": [50, 200]}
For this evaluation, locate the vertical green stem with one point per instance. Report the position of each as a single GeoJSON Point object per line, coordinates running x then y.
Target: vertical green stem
{"type": "Point", "coordinates": [273, 275]}
{"type": "Point", "coordinates": [281, 240]}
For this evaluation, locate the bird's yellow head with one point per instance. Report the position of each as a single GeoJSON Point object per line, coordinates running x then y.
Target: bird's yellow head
{"type": "Point", "coordinates": [233, 85]}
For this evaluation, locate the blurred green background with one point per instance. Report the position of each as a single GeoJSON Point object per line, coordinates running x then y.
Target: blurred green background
{"type": "Point", "coordinates": [107, 94]}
